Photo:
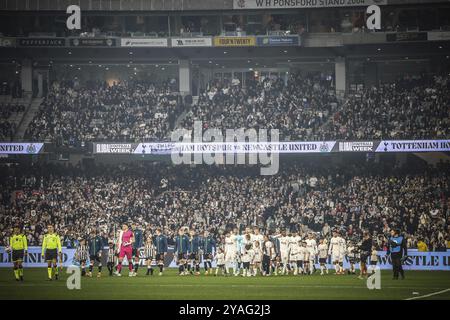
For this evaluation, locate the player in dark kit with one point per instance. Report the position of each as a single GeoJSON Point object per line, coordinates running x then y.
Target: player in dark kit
{"type": "Point", "coordinates": [95, 246]}
{"type": "Point", "coordinates": [193, 253]}
{"type": "Point", "coordinates": [19, 247]}
{"type": "Point", "coordinates": [398, 251]}
{"type": "Point", "coordinates": [208, 247]}
{"type": "Point", "coordinates": [112, 257]}
{"type": "Point", "coordinates": [82, 254]}
{"type": "Point", "coordinates": [181, 249]}
{"type": "Point", "coordinates": [160, 243]}
{"type": "Point", "coordinates": [137, 245]}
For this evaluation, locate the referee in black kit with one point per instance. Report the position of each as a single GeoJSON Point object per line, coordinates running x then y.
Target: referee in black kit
{"type": "Point", "coordinates": [398, 251]}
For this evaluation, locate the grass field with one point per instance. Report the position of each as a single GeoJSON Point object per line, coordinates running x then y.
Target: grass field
{"type": "Point", "coordinates": [417, 285]}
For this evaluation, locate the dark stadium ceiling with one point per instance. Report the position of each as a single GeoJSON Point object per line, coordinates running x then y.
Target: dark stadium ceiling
{"type": "Point", "coordinates": [228, 56]}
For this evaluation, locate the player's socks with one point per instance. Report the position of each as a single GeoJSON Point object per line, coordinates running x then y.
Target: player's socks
{"type": "Point", "coordinates": [100, 266]}
{"type": "Point", "coordinates": [16, 273]}
{"type": "Point", "coordinates": [90, 268]}
{"type": "Point", "coordinates": [119, 267]}
{"type": "Point", "coordinates": [136, 266]}
{"type": "Point", "coordinates": [336, 268]}
{"type": "Point", "coordinates": [49, 272]}
{"type": "Point", "coordinates": [161, 267]}
{"type": "Point", "coordinates": [56, 272]}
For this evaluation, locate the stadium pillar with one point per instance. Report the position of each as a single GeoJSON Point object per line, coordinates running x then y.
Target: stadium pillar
{"type": "Point", "coordinates": [340, 76]}
{"type": "Point", "coordinates": [26, 76]}
{"type": "Point", "coordinates": [184, 72]}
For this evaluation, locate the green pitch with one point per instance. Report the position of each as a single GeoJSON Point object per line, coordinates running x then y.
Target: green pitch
{"type": "Point", "coordinates": [418, 285]}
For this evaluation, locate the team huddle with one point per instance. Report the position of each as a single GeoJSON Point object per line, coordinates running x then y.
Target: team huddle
{"type": "Point", "coordinates": [248, 254]}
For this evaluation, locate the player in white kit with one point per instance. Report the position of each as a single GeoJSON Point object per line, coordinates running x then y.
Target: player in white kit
{"type": "Point", "coordinates": [284, 240]}
{"type": "Point", "coordinates": [322, 250]}
{"type": "Point", "coordinates": [230, 251]}
{"type": "Point", "coordinates": [294, 249]}
{"type": "Point", "coordinates": [342, 253]}
{"type": "Point", "coordinates": [311, 245]}
{"type": "Point", "coordinates": [257, 236]}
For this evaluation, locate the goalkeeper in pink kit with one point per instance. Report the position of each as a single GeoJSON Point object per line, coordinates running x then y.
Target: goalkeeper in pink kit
{"type": "Point", "coordinates": [125, 247]}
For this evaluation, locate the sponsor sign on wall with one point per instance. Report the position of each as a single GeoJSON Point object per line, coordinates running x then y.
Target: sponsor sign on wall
{"type": "Point", "coordinates": [20, 148]}
{"type": "Point", "coordinates": [93, 42]}
{"type": "Point", "coordinates": [7, 42]}
{"type": "Point", "coordinates": [263, 41]}
{"type": "Point", "coordinates": [413, 146]}
{"type": "Point", "coordinates": [356, 146]}
{"type": "Point", "coordinates": [212, 147]}
{"type": "Point", "coordinates": [191, 42]}
{"type": "Point", "coordinates": [144, 42]}
{"type": "Point", "coordinates": [41, 42]}
{"type": "Point", "coordinates": [234, 41]}
{"type": "Point", "coordinates": [406, 36]}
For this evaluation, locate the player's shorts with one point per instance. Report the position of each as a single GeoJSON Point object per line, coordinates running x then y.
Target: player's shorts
{"type": "Point", "coordinates": [230, 257]}
{"type": "Point", "coordinates": [246, 265]}
{"type": "Point", "coordinates": [322, 260]}
{"type": "Point", "coordinates": [51, 254]}
{"type": "Point", "coordinates": [193, 256]}
{"type": "Point", "coordinates": [352, 260]}
{"type": "Point", "coordinates": [126, 251]}
{"type": "Point", "coordinates": [95, 257]}
{"type": "Point", "coordinates": [373, 263]}
{"type": "Point", "coordinates": [159, 257]}
{"type": "Point", "coordinates": [364, 258]}
{"type": "Point", "coordinates": [17, 255]}
{"type": "Point", "coordinates": [300, 263]}
{"type": "Point", "coordinates": [181, 256]}
{"type": "Point", "coordinates": [335, 257]}
{"type": "Point", "coordinates": [284, 257]}
{"type": "Point", "coordinates": [207, 256]}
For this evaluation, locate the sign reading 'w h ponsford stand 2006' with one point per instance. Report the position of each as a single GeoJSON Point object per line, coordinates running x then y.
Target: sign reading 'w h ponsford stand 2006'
{"type": "Point", "coordinates": [286, 4]}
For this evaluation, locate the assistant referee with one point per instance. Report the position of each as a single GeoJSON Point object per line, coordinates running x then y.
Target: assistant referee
{"type": "Point", "coordinates": [19, 247]}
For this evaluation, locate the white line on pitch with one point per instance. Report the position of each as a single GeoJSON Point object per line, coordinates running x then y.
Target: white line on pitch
{"type": "Point", "coordinates": [208, 285]}
{"type": "Point", "coordinates": [428, 295]}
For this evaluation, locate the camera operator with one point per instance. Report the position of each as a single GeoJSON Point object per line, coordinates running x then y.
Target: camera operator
{"type": "Point", "coordinates": [365, 249]}
{"type": "Point", "coordinates": [398, 251]}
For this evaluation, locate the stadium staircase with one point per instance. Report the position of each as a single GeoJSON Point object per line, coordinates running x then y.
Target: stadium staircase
{"type": "Point", "coordinates": [182, 116]}
{"type": "Point", "coordinates": [30, 113]}
{"type": "Point", "coordinates": [16, 117]}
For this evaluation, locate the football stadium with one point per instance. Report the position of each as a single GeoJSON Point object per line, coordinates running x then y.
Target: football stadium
{"type": "Point", "coordinates": [225, 150]}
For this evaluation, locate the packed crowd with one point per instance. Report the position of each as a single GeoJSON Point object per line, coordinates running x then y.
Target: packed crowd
{"type": "Point", "coordinates": [304, 107]}
{"type": "Point", "coordinates": [408, 108]}
{"type": "Point", "coordinates": [304, 197]}
{"type": "Point", "coordinates": [297, 107]}
{"type": "Point", "coordinates": [8, 127]}
{"type": "Point", "coordinates": [126, 112]}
